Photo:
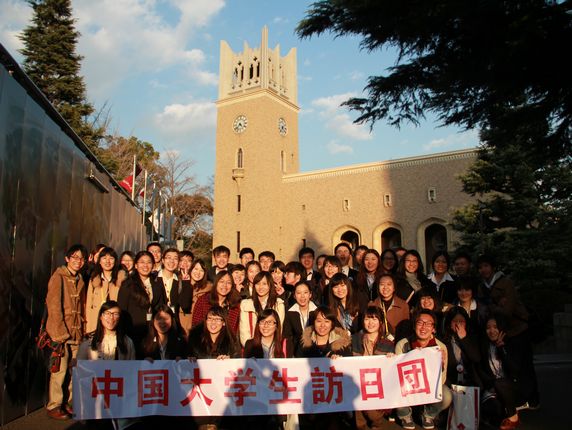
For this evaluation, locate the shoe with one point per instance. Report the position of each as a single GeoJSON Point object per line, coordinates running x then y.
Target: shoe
{"type": "Point", "coordinates": [68, 409]}
{"type": "Point", "coordinates": [428, 423]}
{"type": "Point", "coordinates": [509, 425]}
{"type": "Point", "coordinates": [534, 406]}
{"type": "Point", "coordinates": [407, 423]}
{"type": "Point", "coordinates": [523, 407]}
{"type": "Point", "coordinates": [58, 414]}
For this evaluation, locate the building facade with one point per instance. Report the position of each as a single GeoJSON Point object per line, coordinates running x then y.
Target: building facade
{"type": "Point", "coordinates": [263, 201]}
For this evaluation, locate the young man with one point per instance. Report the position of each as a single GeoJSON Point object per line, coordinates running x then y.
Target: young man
{"type": "Point", "coordinates": [64, 325]}
{"type": "Point", "coordinates": [156, 249]}
{"type": "Point", "coordinates": [424, 325]}
{"type": "Point", "coordinates": [344, 252]}
{"type": "Point", "coordinates": [294, 272]}
{"type": "Point", "coordinates": [306, 258]}
{"type": "Point", "coordinates": [246, 255]}
{"type": "Point", "coordinates": [462, 264]}
{"type": "Point", "coordinates": [221, 255]}
{"type": "Point", "coordinates": [266, 258]}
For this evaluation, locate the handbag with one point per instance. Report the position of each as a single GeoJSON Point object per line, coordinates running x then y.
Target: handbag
{"type": "Point", "coordinates": [464, 411]}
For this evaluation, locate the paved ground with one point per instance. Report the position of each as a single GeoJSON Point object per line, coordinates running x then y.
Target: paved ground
{"type": "Point", "coordinates": [554, 378]}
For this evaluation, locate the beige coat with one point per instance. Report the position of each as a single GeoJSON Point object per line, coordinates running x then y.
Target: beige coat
{"type": "Point", "coordinates": [64, 304]}
{"type": "Point", "coordinates": [98, 292]}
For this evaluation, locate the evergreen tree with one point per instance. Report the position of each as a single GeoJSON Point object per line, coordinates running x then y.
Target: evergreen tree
{"type": "Point", "coordinates": [51, 61]}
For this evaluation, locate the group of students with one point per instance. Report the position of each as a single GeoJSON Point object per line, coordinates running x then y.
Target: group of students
{"type": "Point", "coordinates": [165, 304]}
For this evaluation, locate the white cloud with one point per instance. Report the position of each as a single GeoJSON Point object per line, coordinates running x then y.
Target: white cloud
{"type": "Point", "coordinates": [15, 15]}
{"type": "Point", "coordinates": [337, 119]}
{"type": "Point", "coordinates": [191, 118]}
{"type": "Point", "coordinates": [464, 139]}
{"type": "Point", "coordinates": [356, 75]}
{"type": "Point", "coordinates": [280, 20]}
{"type": "Point", "coordinates": [336, 148]}
{"type": "Point", "coordinates": [125, 38]}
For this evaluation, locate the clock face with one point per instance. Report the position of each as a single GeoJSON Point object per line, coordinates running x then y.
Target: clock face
{"type": "Point", "coordinates": [239, 124]}
{"type": "Point", "coordinates": [282, 128]}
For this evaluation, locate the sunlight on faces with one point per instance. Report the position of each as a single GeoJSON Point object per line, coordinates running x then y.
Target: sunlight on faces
{"type": "Point", "coordinates": [197, 273]}
{"type": "Point", "coordinates": [110, 318]}
{"type": "Point", "coordinates": [307, 261]}
{"type": "Point", "coordinates": [265, 263]}
{"type": "Point", "coordinates": [370, 262]}
{"type": "Point", "coordinates": [221, 260]}
{"type": "Point", "coordinates": [171, 261]}
{"type": "Point", "coordinates": [371, 324]}
{"type": "Point", "coordinates": [185, 263]}
{"type": "Point", "coordinates": [253, 270]}
{"type": "Point", "coordinates": [128, 262]}
{"type": "Point", "coordinates": [427, 302]}
{"type": "Point", "coordinates": [424, 327]}
{"type": "Point", "coordinates": [330, 270]}
{"type": "Point", "coordinates": [320, 262]}
{"type": "Point", "coordinates": [156, 252]}
{"type": "Point", "coordinates": [214, 324]}
{"type": "Point", "coordinates": [302, 295]}
{"type": "Point", "coordinates": [238, 276]}
{"type": "Point", "coordinates": [224, 285]}
{"type": "Point", "coordinates": [162, 322]}
{"type": "Point", "coordinates": [262, 288]}
{"type": "Point", "coordinates": [343, 253]}
{"type": "Point", "coordinates": [386, 288]}
{"type": "Point", "coordinates": [75, 261]}
{"type": "Point", "coordinates": [277, 276]}
{"type": "Point", "coordinates": [267, 326]}
{"type": "Point", "coordinates": [340, 290]}
{"type": "Point", "coordinates": [144, 266]}
{"type": "Point", "coordinates": [411, 264]}
{"type": "Point", "coordinates": [107, 262]}
{"type": "Point", "coordinates": [322, 325]}
{"type": "Point", "coordinates": [246, 258]}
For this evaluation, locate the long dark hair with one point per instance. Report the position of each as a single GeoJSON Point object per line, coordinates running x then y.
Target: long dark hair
{"type": "Point", "coordinates": [362, 272]}
{"type": "Point", "coordinates": [278, 340]}
{"type": "Point", "coordinates": [98, 270]}
{"type": "Point", "coordinates": [119, 328]}
{"type": "Point", "coordinates": [203, 282]}
{"type": "Point", "coordinates": [224, 338]}
{"type": "Point", "coordinates": [233, 297]}
{"type": "Point", "coordinates": [420, 271]}
{"type": "Point", "coordinates": [395, 259]}
{"type": "Point", "coordinates": [272, 297]}
{"type": "Point", "coordinates": [374, 312]}
{"type": "Point", "coordinates": [452, 313]}
{"type": "Point", "coordinates": [137, 287]}
{"type": "Point", "coordinates": [351, 306]}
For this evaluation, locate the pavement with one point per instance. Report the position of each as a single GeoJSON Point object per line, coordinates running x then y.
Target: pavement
{"type": "Point", "coordinates": [554, 372]}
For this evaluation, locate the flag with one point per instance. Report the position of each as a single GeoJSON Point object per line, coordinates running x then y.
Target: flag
{"type": "Point", "coordinates": [127, 182]}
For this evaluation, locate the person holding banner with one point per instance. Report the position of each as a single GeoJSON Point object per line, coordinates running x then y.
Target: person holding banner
{"type": "Point", "coordinates": [163, 341]}
{"type": "Point", "coordinates": [371, 341]}
{"type": "Point", "coordinates": [394, 309]}
{"type": "Point", "coordinates": [343, 302]}
{"type": "Point", "coordinates": [424, 336]}
{"type": "Point", "coordinates": [298, 316]}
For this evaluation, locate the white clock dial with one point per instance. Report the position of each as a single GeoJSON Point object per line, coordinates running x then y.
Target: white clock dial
{"type": "Point", "coordinates": [239, 124]}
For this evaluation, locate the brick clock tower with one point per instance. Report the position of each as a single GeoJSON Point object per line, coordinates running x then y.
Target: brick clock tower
{"type": "Point", "coordinates": [256, 144]}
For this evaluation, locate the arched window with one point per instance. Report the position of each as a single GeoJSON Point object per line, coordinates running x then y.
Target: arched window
{"type": "Point", "coordinates": [435, 240]}
{"type": "Point", "coordinates": [239, 158]}
{"type": "Point", "coordinates": [390, 238]}
{"type": "Point", "coordinates": [351, 237]}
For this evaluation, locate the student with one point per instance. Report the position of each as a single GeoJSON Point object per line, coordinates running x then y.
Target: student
{"type": "Point", "coordinates": [266, 258]}
{"type": "Point", "coordinates": [367, 277]}
{"type": "Point", "coordinates": [299, 315]}
{"type": "Point", "coordinates": [394, 309]}
{"type": "Point", "coordinates": [252, 269]}
{"type": "Point", "coordinates": [410, 277]}
{"type": "Point", "coordinates": [344, 252]}
{"type": "Point", "coordinates": [64, 325]}
{"type": "Point", "coordinates": [424, 325]}
{"type": "Point", "coordinates": [441, 279]}
{"type": "Point", "coordinates": [168, 277]}
{"type": "Point", "coordinates": [342, 302]}
{"type": "Point", "coordinates": [306, 258]}
{"type": "Point", "coordinates": [332, 265]}
{"type": "Point", "coordinates": [246, 255]}
{"type": "Point", "coordinates": [358, 256]}
{"type": "Point", "coordinates": [163, 341]}
{"type": "Point", "coordinates": [192, 289]}
{"type": "Point", "coordinates": [221, 256]}
{"type": "Point", "coordinates": [389, 262]}
{"type": "Point", "coordinates": [127, 261]}
{"type": "Point", "coordinates": [238, 273]}
{"type": "Point", "coordinates": [156, 250]}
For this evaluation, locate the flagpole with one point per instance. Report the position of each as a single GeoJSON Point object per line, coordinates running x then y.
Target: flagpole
{"type": "Point", "coordinates": [134, 174]}
{"type": "Point", "coordinates": [153, 213]}
{"type": "Point", "coordinates": [143, 208]}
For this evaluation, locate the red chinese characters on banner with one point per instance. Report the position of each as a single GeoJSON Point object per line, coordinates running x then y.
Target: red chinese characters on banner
{"type": "Point", "coordinates": [153, 387]}
{"type": "Point", "coordinates": [413, 377]}
{"type": "Point", "coordinates": [281, 384]}
{"type": "Point", "coordinates": [324, 384]}
{"type": "Point", "coordinates": [107, 387]}
{"type": "Point", "coordinates": [371, 378]}
{"type": "Point", "coordinates": [197, 391]}
{"type": "Point", "coordinates": [240, 382]}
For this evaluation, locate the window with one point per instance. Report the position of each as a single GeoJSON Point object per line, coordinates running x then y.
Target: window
{"type": "Point", "coordinates": [238, 203]}
{"type": "Point", "coordinates": [239, 158]}
{"type": "Point", "coordinates": [346, 205]}
{"type": "Point", "coordinates": [390, 238]}
{"type": "Point", "coordinates": [238, 241]}
{"type": "Point", "coordinates": [432, 195]}
{"type": "Point", "coordinates": [387, 200]}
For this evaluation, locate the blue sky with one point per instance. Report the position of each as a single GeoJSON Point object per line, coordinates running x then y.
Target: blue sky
{"type": "Point", "coordinates": [155, 64]}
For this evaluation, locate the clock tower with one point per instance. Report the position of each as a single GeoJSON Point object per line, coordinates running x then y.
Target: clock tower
{"type": "Point", "coordinates": [256, 144]}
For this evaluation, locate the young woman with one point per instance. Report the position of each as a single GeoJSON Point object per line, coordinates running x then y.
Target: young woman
{"type": "Point", "coordinates": [223, 295]}
{"type": "Point", "coordinates": [428, 299]}
{"type": "Point", "coordinates": [462, 349]}
{"type": "Point", "coordinates": [423, 337]}
{"type": "Point", "coordinates": [371, 340]}
{"type": "Point", "coordinates": [253, 268]}
{"type": "Point", "coordinates": [342, 302]}
{"type": "Point", "coordinates": [332, 265]}
{"type": "Point", "coordinates": [324, 338]}
{"type": "Point", "coordinates": [277, 272]}
{"type": "Point", "coordinates": [410, 277]}
{"type": "Point", "coordinates": [395, 310]}
{"type": "Point", "coordinates": [441, 279]}
{"type": "Point", "coordinates": [263, 297]}
{"type": "Point", "coordinates": [389, 261]}
{"type": "Point", "coordinates": [163, 341]}
{"type": "Point", "coordinates": [192, 289]}
{"type": "Point", "coordinates": [109, 342]}
{"type": "Point", "coordinates": [497, 372]}
{"type": "Point", "coordinates": [466, 298]}
{"type": "Point", "coordinates": [267, 341]}
{"type": "Point", "coordinates": [238, 273]}
{"type": "Point", "coordinates": [367, 277]}
{"type": "Point", "coordinates": [139, 297]}
{"type": "Point", "coordinates": [127, 261]}
{"type": "Point", "coordinates": [212, 339]}
{"type": "Point", "coordinates": [299, 315]}
{"type": "Point", "coordinates": [105, 281]}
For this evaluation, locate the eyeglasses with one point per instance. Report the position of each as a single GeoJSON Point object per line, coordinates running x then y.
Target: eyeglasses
{"type": "Point", "coordinates": [214, 319]}
{"type": "Point", "coordinates": [77, 257]}
{"type": "Point", "coordinates": [267, 323]}
{"type": "Point", "coordinates": [421, 323]}
{"type": "Point", "coordinates": [110, 314]}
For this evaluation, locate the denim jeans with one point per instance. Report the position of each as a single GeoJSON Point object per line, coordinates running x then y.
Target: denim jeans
{"type": "Point", "coordinates": [431, 410]}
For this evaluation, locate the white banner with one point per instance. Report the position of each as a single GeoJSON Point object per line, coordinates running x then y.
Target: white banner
{"type": "Point", "coordinates": [117, 389]}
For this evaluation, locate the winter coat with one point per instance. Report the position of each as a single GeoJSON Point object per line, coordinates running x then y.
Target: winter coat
{"type": "Point", "coordinates": [339, 343]}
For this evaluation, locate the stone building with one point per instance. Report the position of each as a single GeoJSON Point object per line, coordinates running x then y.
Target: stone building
{"type": "Point", "coordinates": [263, 201]}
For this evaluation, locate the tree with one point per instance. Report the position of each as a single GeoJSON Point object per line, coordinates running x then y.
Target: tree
{"type": "Point", "coordinates": [460, 59]}
{"type": "Point", "coordinates": [51, 61]}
